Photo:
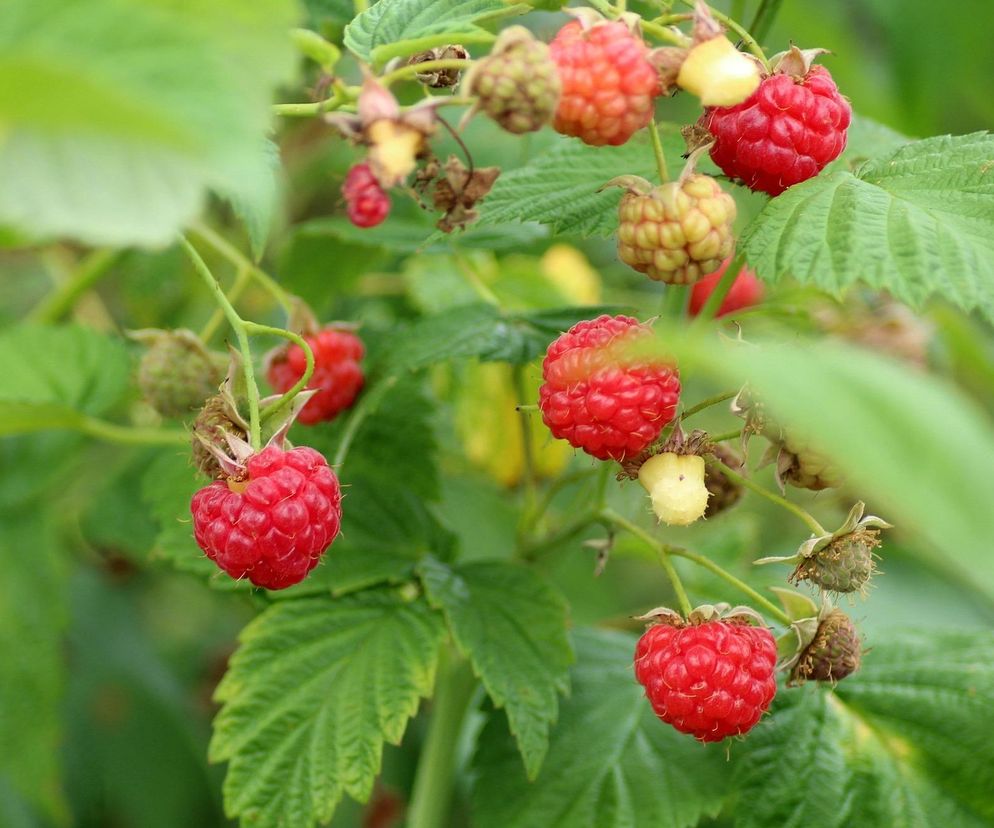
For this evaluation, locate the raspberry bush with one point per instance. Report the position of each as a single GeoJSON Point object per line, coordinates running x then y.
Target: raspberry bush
{"type": "Point", "coordinates": [467, 413]}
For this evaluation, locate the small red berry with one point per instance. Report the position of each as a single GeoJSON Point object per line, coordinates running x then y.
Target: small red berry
{"type": "Point", "coordinates": [367, 204]}
{"type": "Point", "coordinates": [273, 526]}
{"type": "Point", "coordinates": [745, 292]}
{"type": "Point", "coordinates": [337, 373]}
{"type": "Point", "coordinates": [784, 133]}
{"type": "Point", "coordinates": [598, 398]}
{"type": "Point", "coordinates": [711, 680]}
{"type": "Point", "coordinates": [608, 84]}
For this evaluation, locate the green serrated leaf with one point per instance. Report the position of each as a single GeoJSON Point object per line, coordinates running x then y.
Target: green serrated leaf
{"type": "Point", "coordinates": [561, 187]}
{"type": "Point", "coordinates": [611, 763]}
{"type": "Point", "coordinates": [118, 115]}
{"type": "Point", "coordinates": [401, 27]}
{"type": "Point", "coordinates": [61, 367]}
{"type": "Point", "coordinates": [313, 692]}
{"type": "Point", "coordinates": [905, 741]}
{"type": "Point", "coordinates": [917, 222]}
{"type": "Point", "coordinates": [511, 625]}
{"type": "Point", "coordinates": [482, 331]}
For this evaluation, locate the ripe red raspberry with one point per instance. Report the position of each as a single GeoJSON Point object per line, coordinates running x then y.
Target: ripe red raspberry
{"type": "Point", "coordinates": [337, 373]}
{"type": "Point", "coordinates": [367, 202]}
{"type": "Point", "coordinates": [712, 680]}
{"type": "Point", "coordinates": [784, 133]}
{"type": "Point", "coordinates": [273, 526]}
{"type": "Point", "coordinates": [745, 292]}
{"type": "Point", "coordinates": [599, 399]}
{"type": "Point", "coordinates": [608, 83]}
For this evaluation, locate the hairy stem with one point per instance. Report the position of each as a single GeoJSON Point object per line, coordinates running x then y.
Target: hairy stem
{"type": "Point", "coordinates": [793, 508]}
{"type": "Point", "coordinates": [657, 148]}
{"type": "Point", "coordinates": [242, 279]}
{"type": "Point", "coordinates": [132, 435]}
{"type": "Point", "coordinates": [366, 405]}
{"type": "Point", "coordinates": [241, 334]}
{"type": "Point", "coordinates": [717, 399]}
{"type": "Point", "coordinates": [431, 797]}
{"type": "Point", "coordinates": [301, 384]}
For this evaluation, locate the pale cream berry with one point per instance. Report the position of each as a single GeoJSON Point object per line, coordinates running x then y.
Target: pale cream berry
{"type": "Point", "coordinates": [675, 483]}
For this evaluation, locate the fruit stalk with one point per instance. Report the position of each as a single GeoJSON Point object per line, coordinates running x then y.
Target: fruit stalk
{"type": "Point", "coordinates": [241, 334]}
{"type": "Point", "coordinates": [664, 556]}
{"type": "Point", "coordinates": [710, 309]}
{"type": "Point", "coordinates": [741, 31]}
{"type": "Point", "coordinates": [301, 384]}
{"type": "Point", "coordinates": [657, 148]}
{"type": "Point", "coordinates": [242, 278]}
{"type": "Point", "coordinates": [793, 508]}
{"type": "Point", "coordinates": [432, 793]}
{"type": "Point", "coordinates": [130, 435]}
{"type": "Point", "coordinates": [707, 403]}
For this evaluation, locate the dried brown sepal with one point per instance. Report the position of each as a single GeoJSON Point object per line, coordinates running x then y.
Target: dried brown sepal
{"type": "Point", "coordinates": [458, 190]}
{"type": "Point", "coordinates": [795, 62]}
{"type": "Point", "coordinates": [440, 78]}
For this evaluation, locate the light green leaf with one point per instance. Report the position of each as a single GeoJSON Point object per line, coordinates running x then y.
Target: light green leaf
{"type": "Point", "coordinates": [908, 441]}
{"type": "Point", "coordinates": [315, 689]}
{"type": "Point", "coordinates": [117, 115]}
{"type": "Point", "coordinates": [402, 27]}
{"type": "Point", "coordinates": [511, 625]}
{"type": "Point", "coordinates": [256, 200]}
{"type": "Point", "coordinates": [917, 222]}
{"type": "Point", "coordinates": [905, 741]}
{"type": "Point", "coordinates": [53, 371]}
{"type": "Point", "coordinates": [561, 187]}
{"type": "Point", "coordinates": [611, 763]}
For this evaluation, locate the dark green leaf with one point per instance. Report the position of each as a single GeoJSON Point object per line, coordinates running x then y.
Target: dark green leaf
{"type": "Point", "coordinates": [611, 763]}
{"type": "Point", "coordinates": [512, 626]}
{"type": "Point", "coordinates": [315, 689]}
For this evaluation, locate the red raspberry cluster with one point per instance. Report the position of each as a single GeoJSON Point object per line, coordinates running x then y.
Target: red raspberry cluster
{"type": "Point", "coordinates": [337, 373]}
{"type": "Point", "coordinates": [711, 680]}
{"type": "Point", "coordinates": [367, 203]}
{"type": "Point", "coordinates": [273, 526]}
{"type": "Point", "coordinates": [600, 399]}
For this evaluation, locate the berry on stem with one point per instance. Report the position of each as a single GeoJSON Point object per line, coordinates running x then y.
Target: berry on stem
{"type": "Point", "coordinates": [367, 203]}
{"type": "Point", "coordinates": [709, 678]}
{"type": "Point", "coordinates": [600, 399]}
{"type": "Point", "coordinates": [337, 376]}
{"type": "Point", "coordinates": [745, 292]}
{"type": "Point", "coordinates": [273, 523]}
{"type": "Point", "coordinates": [609, 84]}
{"type": "Point", "coordinates": [177, 372]}
{"type": "Point", "coordinates": [786, 131]}
{"type": "Point", "coordinates": [675, 483]}
{"type": "Point", "coordinates": [676, 232]}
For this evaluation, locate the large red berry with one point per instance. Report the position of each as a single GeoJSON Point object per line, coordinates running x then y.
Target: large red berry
{"type": "Point", "coordinates": [337, 373]}
{"type": "Point", "coordinates": [273, 526]}
{"type": "Point", "coordinates": [598, 397]}
{"type": "Point", "coordinates": [712, 680]}
{"type": "Point", "coordinates": [608, 83]}
{"type": "Point", "coordinates": [745, 292]}
{"type": "Point", "coordinates": [367, 204]}
{"type": "Point", "coordinates": [784, 133]}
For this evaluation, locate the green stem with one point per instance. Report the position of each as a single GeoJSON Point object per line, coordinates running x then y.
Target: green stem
{"type": "Point", "coordinates": [412, 69]}
{"type": "Point", "coordinates": [527, 441]}
{"type": "Point", "coordinates": [131, 435]}
{"type": "Point", "coordinates": [741, 31]}
{"type": "Point", "coordinates": [717, 399]}
{"type": "Point", "coordinates": [241, 334]}
{"type": "Point", "coordinates": [728, 435]}
{"type": "Point", "coordinates": [431, 797]}
{"type": "Point", "coordinates": [661, 548]}
{"type": "Point", "coordinates": [793, 508]}
{"type": "Point", "coordinates": [367, 404]}
{"type": "Point", "coordinates": [240, 260]}
{"type": "Point", "coordinates": [61, 301]}
{"type": "Point", "coordinates": [729, 578]}
{"type": "Point", "coordinates": [657, 148]}
{"type": "Point", "coordinates": [665, 34]}
{"type": "Point", "coordinates": [763, 20]}
{"type": "Point", "coordinates": [529, 552]}
{"type": "Point", "coordinates": [241, 282]}
{"type": "Point", "coordinates": [674, 302]}
{"type": "Point", "coordinates": [720, 291]}
{"type": "Point", "coordinates": [301, 384]}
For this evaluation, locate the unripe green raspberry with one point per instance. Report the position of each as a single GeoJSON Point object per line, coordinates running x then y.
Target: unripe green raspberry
{"type": "Point", "coordinates": [517, 84]}
{"type": "Point", "coordinates": [835, 652]}
{"type": "Point", "coordinates": [844, 565]}
{"type": "Point", "coordinates": [677, 232]}
{"type": "Point", "coordinates": [806, 469]}
{"type": "Point", "coordinates": [675, 484]}
{"type": "Point", "coordinates": [177, 372]}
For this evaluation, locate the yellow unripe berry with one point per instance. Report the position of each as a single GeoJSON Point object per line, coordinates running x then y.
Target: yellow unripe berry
{"type": "Point", "coordinates": [718, 73]}
{"type": "Point", "coordinates": [675, 483]}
